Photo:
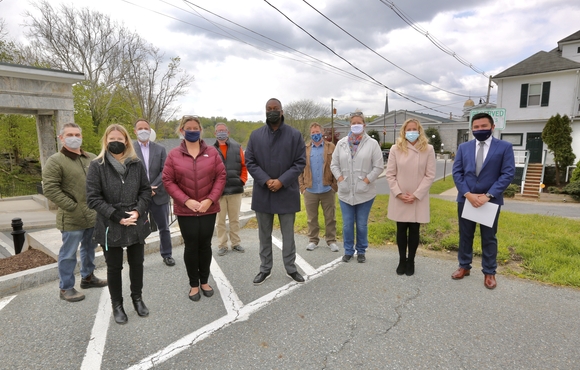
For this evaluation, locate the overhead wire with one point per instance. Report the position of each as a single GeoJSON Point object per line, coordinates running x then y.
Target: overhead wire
{"type": "Point", "coordinates": [407, 97]}
{"type": "Point", "coordinates": [381, 56]}
{"type": "Point", "coordinates": [431, 38]}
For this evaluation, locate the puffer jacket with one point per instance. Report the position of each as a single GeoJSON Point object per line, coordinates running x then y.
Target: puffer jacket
{"type": "Point", "coordinates": [200, 178]}
{"type": "Point", "coordinates": [108, 192]}
{"type": "Point", "coordinates": [367, 162]}
{"type": "Point", "coordinates": [64, 178]}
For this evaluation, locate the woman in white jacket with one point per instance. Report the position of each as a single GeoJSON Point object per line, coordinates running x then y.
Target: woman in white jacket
{"type": "Point", "coordinates": [357, 162]}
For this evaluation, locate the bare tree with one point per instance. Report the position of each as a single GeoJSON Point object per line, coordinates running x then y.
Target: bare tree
{"type": "Point", "coordinates": [301, 113]}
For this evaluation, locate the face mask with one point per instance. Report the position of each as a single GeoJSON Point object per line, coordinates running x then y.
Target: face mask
{"type": "Point", "coordinates": [192, 136]}
{"type": "Point", "coordinates": [143, 135]}
{"type": "Point", "coordinates": [412, 136]}
{"type": "Point", "coordinates": [116, 147]}
{"type": "Point", "coordinates": [482, 135]}
{"type": "Point", "coordinates": [273, 116]}
{"type": "Point", "coordinates": [73, 142]}
{"type": "Point", "coordinates": [357, 129]}
{"type": "Point", "coordinates": [223, 136]}
{"type": "Point", "coordinates": [316, 137]}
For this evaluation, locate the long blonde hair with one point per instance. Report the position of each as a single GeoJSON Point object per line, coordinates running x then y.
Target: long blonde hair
{"type": "Point", "coordinates": [129, 149]}
{"type": "Point", "coordinates": [422, 142]}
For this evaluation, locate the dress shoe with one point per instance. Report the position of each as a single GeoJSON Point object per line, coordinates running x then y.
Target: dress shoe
{"type": "Point", "coordinates": [169, 261]}
{"type": "Point", "coordinates": [346, 258]}
{"type": "Point", "coordinates": [261, 277]}
{"type": "Point", "coordinates": [208, 293]}
{"type": "Point", "coordinates": [296, 277]}
{"type": "Point", "coordinates": [361, 258]}
{"type": "Point", "coordinates": [119, 313]}
{"type": "Point", "coordinates": [489, 281]}
{"type": "Point", "coordinates": [196, 297]}
{"type": "Point", "coordinates": [238, 248]}
{"type": "Point", "coordinates": [402, 267]}
{"type": "Point", "coordinates": [460, 273]}
{"type": "Point", "coordinates": [410, 268]}
{"type": "Point", "coordinates": [92, 281]}
{"type": "Point", "coordinates": [71, 295]}
{"type": "Point", "coordinates": [140, 307]}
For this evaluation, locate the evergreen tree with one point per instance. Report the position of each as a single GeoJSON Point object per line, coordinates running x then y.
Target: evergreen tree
{"type": "Point", "coordinates": [557, 134]}
{"type": "Point", "coordinates": [434, 138]}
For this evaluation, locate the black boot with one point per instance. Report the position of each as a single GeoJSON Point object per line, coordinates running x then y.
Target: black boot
{"type": "Point", "coordinates": [402, 266]}
{"type": "Point", "coordinates": [119, 313]}
{"type": "Point", "coordinates": [410, 267]}
{"type": "Point", "coordinates": [140, 307]}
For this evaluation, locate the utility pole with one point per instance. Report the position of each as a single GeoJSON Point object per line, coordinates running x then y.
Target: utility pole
{"type": "Point", "coordinates": [332, 111]}
{"type": "Point", "coordinates": [385, 117]}
{"type": "Point", "coordinates": [488, 91]}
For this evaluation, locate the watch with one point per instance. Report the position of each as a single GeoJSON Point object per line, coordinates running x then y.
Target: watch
{"type": "Point", "coordinates": [489, 195]}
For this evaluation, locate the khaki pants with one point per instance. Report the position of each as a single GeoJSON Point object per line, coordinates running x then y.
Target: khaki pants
{"type": "Point", "coordinates": [328, 202]}
{"type": "Point", "coordinates": [230, 207]}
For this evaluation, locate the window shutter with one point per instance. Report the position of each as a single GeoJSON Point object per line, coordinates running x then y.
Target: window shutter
{"type": "Point", "coordinates": [524, 96]}
{"type": "Point", "coordinates": [545, 94]}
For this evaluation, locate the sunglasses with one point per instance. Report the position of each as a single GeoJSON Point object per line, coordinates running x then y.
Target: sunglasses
{"type": "Point", "coordinates": [356, 114]}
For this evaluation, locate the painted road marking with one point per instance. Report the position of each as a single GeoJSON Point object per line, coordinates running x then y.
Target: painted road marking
{"type": "Point", "coordinates": [231, 300]}
{"type": "Point", "coordinates": [4, 301]}
{"type": "Point", "coordinates": [96, 347]}
{"type": "Point", "coordinates": [301, 262]}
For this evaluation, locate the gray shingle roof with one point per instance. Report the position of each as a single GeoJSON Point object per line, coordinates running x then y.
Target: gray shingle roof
{"type": "Point", "coordinates": [541, 62]}
{"type": "Point", "coordinates": [572, 37]}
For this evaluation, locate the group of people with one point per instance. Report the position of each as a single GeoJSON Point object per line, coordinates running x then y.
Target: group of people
{"type": "Point", "coordinates": [107, 199]}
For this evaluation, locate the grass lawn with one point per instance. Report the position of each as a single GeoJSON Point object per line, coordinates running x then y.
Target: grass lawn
{"type": "Point", "coordinates": [537, 247]}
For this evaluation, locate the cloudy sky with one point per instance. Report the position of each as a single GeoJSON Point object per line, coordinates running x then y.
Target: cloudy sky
{"type": "Point", "coordinates": [236, 70]}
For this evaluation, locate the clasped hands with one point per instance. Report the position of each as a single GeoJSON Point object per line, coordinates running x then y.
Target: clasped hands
{"type": "Point", "coordinates": [196, 206]}
{"type": "Point", "coordinates": [476, 200]}
{"type": "Point", "coordinates": [131, 220]}
{"type": "Point", "coordinates": [406, 198]}
{"type": "Point", "coordinates": [274, 185]}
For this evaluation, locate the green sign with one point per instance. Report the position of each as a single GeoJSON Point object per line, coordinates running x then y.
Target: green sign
{"type": "Point", "coordinates": [498, 115]}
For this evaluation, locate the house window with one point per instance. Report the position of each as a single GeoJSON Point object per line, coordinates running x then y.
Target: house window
{"type": "Point", "coordinates": [515, 139]}
{"type": "Point", "coordinates": [535, 94]}
{"type": "Point", "coordinates": [578, 49]}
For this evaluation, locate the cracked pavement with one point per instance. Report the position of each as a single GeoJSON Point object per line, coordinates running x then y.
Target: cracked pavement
{"type": "Point", "coordinates": [346, 316]}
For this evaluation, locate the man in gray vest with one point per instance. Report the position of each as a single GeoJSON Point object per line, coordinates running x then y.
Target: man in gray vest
{"type": "Point", "coordinates": [64, 179]}
{"type": "Point", "coordinates": [231, 199]}
{"type": "Point", "coordinates": [153, 158]}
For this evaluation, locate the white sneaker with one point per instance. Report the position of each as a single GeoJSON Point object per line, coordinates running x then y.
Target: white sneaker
{"type": "Point", "coordinates": [333, 247]}
{"type": "Point", "coordinates": [311, 247]}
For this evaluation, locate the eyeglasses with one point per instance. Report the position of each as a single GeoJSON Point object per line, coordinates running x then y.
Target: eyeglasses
{"type": "Point", "coordinates": [356, 114]}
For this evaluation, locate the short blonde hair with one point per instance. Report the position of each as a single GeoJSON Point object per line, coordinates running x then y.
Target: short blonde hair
{"type": "Point", "coordinates": [422, 142]}
{"type": "Point", "coordinates": [186, 119]}
{"type": "Point", "coordinates": [129, 149]}
{"type": "Point", "coordinates": [315, 124]}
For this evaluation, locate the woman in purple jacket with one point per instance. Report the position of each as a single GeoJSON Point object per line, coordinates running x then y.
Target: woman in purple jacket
{"type": "Point", "coordinates": [194, 175]}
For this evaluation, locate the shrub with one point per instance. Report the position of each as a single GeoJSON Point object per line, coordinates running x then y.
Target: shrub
{"type": "Point", "coordinates": [386, 146]}
{"type": "Point", "coordinates": [573, 189]}
{"type": "Point", "coordinates": [511, 191]}
{"type": "Point", "coordinates": [554, 190]}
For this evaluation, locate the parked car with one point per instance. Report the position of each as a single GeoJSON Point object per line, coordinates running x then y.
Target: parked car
{"type": "Point", "coordinates": [385, 155]}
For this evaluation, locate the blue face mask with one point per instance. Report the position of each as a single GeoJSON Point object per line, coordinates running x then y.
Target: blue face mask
{"type": "Point", "coordinates": [192, 136]}
{"type": "Point", "coordinates": [412, 136]}
{"type": "Point", "coordinates": [482, 135]}
{"type": "Point", "coordinates": [316, 137]}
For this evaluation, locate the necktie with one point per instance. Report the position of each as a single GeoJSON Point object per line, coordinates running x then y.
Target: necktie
{"type": "Point", "coordinates": [479, 158]}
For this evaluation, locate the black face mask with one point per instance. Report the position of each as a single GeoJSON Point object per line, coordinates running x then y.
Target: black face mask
{"type": "Point", "coordinates": [273, 117]}
{"type": "Point", "coordinates": [116, 147]}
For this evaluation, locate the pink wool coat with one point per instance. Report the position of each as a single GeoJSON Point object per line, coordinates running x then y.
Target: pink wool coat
{"type": "Point", "coordinates": [410, 173]}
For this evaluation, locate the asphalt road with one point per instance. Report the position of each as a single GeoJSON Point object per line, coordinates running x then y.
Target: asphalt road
{"type": "Point", "coordinates": [347, 315]}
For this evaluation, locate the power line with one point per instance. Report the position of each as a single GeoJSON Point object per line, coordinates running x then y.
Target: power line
{"type": "Point", "coordinates": [381, 56]}
{"type": "Point", "coordinates": [431, 38]}
{"type": "Point", "coordinates": [344, 59]}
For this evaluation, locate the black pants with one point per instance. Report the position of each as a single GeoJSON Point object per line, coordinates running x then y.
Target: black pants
{"type": "Point", "coordinates": [412, 240]}
{"type": "Point", "coordinates": [197, 232]}
{"type": "Point", "coordinates": [135, 258]}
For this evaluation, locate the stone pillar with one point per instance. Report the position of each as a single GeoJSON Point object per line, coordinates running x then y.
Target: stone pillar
{"type": "Point", "coordinates": [46, 137]}
{"type": "Point", "coordinates": [61, 117]}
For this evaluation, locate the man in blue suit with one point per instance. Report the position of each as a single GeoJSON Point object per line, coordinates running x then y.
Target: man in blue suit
{"type": "Point", "coordinates": [153, 158]}
{"type": "Point", "coordinates": [482, 170]}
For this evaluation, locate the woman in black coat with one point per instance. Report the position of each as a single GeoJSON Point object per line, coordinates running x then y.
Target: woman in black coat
{"type": "Point", "coordinates": [118, 189]}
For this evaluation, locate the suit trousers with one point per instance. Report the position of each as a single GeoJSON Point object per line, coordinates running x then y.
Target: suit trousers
{"type": "Point", "coordinates": [230, 206]}
{"type": "Point", "coordinates": [265, 225]}
{"type": "Point", "coordinates": [160, 213]}
{"type": "Point", "coordinates": [197, 232]}
{"type": "Point", "coordinates": [488, 243]}
{"type": "Point", "coordinates": [328, 202]}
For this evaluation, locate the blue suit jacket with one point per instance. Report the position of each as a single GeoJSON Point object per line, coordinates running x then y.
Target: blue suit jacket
{"type": "Point", "coordinates": [157, 156]}
{"type": "Point", "coordinates": [496, 174]}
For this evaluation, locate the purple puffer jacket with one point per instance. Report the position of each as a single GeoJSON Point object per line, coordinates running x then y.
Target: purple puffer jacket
{"type": "Point", "coordinates": [201, 178]}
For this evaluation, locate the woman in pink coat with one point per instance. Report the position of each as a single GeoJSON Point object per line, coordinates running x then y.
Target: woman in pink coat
{"type": "Point", "coordinates": [410, 173]}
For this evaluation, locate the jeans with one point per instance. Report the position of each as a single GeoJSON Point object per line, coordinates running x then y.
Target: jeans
{"type": "Point", "coordinates": [160, 214]}
{"type": "Point", "coordinates": [359, 214]}
{"type": "Point", "coordinates": [67, 256]}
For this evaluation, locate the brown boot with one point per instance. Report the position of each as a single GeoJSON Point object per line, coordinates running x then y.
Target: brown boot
{"type": "Point", "coordinates": [71, 295]}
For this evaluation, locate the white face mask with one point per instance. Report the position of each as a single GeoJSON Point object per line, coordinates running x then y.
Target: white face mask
{"type": "Point", "coordinates": [143, 135]}
{"type": "Point", "coordinates": [357, 129]}
{"type": "Point", "coordinates": [73, 142]}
